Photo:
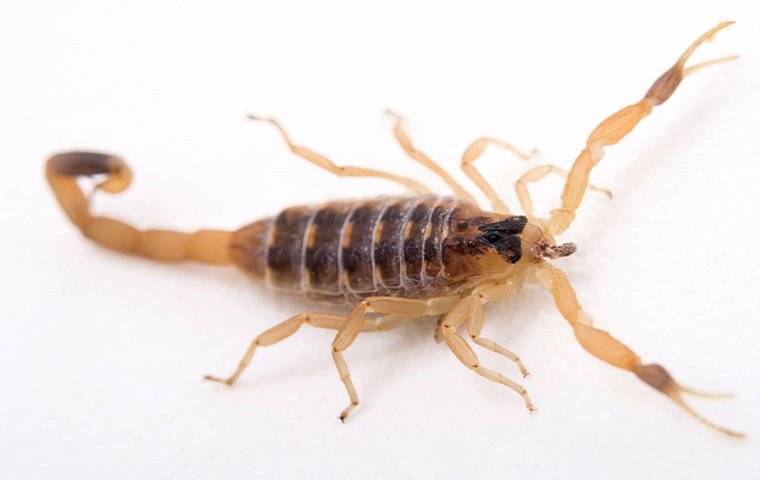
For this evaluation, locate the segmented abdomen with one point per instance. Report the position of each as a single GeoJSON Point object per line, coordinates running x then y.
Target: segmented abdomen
{"type": "Point", "coordinates": [354, 249]}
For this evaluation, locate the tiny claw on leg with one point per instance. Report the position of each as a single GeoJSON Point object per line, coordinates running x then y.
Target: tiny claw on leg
{"type": "Point", "coordinates": [393, 114]}
{"type": "Point", "coordinates": [521, 366]}
{"type": "Point", "coordinates": [529, 405]}
{"type": "Point", "coordinates": [528, 402]}
{"type": "Point", "coordinates": [228, 381]}
{"type": "Point", "coordinates": [256, 118]}
{"type": "Point", "coordinates": [346, 412]}
{"type": "Point", "coordinates": [534, 152]}
{"type": "Point", "coordinates": [605, 191]}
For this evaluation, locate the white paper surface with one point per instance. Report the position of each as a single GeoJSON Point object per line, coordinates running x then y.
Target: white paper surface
{"type": "Point", "coordinates": [102, 355]}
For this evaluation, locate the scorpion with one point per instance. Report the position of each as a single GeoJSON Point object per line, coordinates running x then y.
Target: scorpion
{"type": "Point", "coordinates": [392, 260]}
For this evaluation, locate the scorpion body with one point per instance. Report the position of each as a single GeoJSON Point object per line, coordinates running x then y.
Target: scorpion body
{"type": "Point", "coordinates": [410, 247]}
{"type": "Point", "coordinates": [392, 260]}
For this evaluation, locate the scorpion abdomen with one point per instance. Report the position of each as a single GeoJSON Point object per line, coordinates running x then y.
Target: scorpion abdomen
{"type": "Point", "coordinates": [388, 246]}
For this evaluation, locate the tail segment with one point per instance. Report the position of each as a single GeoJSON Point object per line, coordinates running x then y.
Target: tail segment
{"type": "Point", "coordinates": [208, 246]}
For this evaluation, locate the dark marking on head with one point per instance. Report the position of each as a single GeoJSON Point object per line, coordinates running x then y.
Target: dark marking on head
{"type": "Point", "coordinates": [503, 237]}
{"type": "Point", "coordinates": [512, 225]}
{"type": "Point", "coordinates": [459, 252]}
{"type": "Point", "coordinates": [464, 246]}
{"type": "Point", "coordinates": [507, 245]}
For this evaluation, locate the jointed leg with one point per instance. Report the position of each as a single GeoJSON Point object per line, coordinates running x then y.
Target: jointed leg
{"type": "Point", "coordinates": [536, 174]}
{"type": "Point", "coordinates": [406, 143]}
{"type": "Point", "coordinates": [474, 326]}
{"type": "Point", "coordinates": [404, 312]}
{"type": "Point", "coordinates": [603, 346]}
{"type": "Point", "coordinates": [385, 323]}
{"type": "Point", "coordinates": [473, 152]}
{"type": "Point", "coordinates": [470, 312]}
{"type": "Point", "coordinates": [353, 325]}
{"type": "Point", "coordinates": [279, 332]}
{"type": "Point", "coordinates": [618, 125]}
{"type": "Point", "coordinates": [476, 321]}
{"type": "Point", "coordinates": [342, 171]}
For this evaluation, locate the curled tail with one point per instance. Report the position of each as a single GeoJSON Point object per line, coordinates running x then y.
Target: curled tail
{"type": "Point", "coordinates": [62, 170]}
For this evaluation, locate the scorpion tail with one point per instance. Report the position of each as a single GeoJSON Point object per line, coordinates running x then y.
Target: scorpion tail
{"type": "Point", "coordinates": [62, 170]}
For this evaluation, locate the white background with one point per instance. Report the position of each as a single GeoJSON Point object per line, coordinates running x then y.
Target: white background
{"type": "Point", "coordinates": [101, 356]}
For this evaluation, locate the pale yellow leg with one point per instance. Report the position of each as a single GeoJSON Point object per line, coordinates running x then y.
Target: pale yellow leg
{"type": "Point", "coordinates": [385, 323]}
{"type": "Point", "coordinates": [353, 325]}
{"type": "Point", "coordinates": [279, 332]}
{"type": "Point", "coordinates": [406, 143]}
{"type": "Point", "coordinates": [470, 311]}
{"type": "Point", "coordinates": [473, 152]}
{"type": "Point", "coordinates": [438, 335]}
{"type": "Point", "coordinates": [608, 349]}
{"type": "Point", "coordinates": [342, 171]}
{"type": "Point", "coordinates": [401, 311]}
{"type": "Point", "coordinates": [476, 321]}
{"type": "Point", "coordinates": [536, 174]}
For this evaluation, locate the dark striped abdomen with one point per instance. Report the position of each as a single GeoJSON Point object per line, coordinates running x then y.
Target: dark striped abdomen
{"type": "Point", "coordinates": [353, 249]}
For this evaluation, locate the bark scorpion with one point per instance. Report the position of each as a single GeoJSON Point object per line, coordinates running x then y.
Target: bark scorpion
{"type": "Point", "coordinates": [391, 260]}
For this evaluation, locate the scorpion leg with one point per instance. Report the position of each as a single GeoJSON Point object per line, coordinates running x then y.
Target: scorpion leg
{"type": "Point", "coordinates": [612, 129]}
{"type": "Point", "coordinates": [342, 171]}
{"type": "Point", "coordinates": [353, 323]}
{"type": "Point", "coordinates": [472, 307]}
{"type": "Point", "coordinates": [536, 174]}
{"type": "Point", "coordinates": [276, 334]}
{"type": "Point", "coordinates": [395, 311]}
{"type": "Point", "coordinates": [476, 321]}
{"type": "Point", "coordinates": [283, 330]}
{"type": "Point", "coordinates": [385, 323]}
{"type": "Point", "coordinates": [603, 346]}
{"type": "Point", "coordinates": [473, 152]}
{"type": "Point", "coordinates": [406, 143]}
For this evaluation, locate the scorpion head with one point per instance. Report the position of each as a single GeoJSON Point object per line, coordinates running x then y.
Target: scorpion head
{"type": "Point", "coordinates": [514, 238]}
{"type": "Point", "coordinates": [481, 243]}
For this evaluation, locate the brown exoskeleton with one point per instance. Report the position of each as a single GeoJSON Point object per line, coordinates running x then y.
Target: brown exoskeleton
{"type": "Point", "coordinates": [396, 259]}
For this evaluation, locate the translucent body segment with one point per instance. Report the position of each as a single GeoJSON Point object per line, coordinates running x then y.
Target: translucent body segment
{"type": "Point", "coordinates": [388, 247]}
{"type": "Point", "coordinates": [284, 252]}
{"type": "Point", "coordinates": [414, 241]}
{"type": "Point", "coordinates": [432, 252]}
{"type": "Point", "coordinates": [321, 254]}
{"type": "Point", "coordinates": [357, 252]}
{"type": "Point", "coordinates": [458, 247]}
{"type": "Point", "coordinates": [249, 247]}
